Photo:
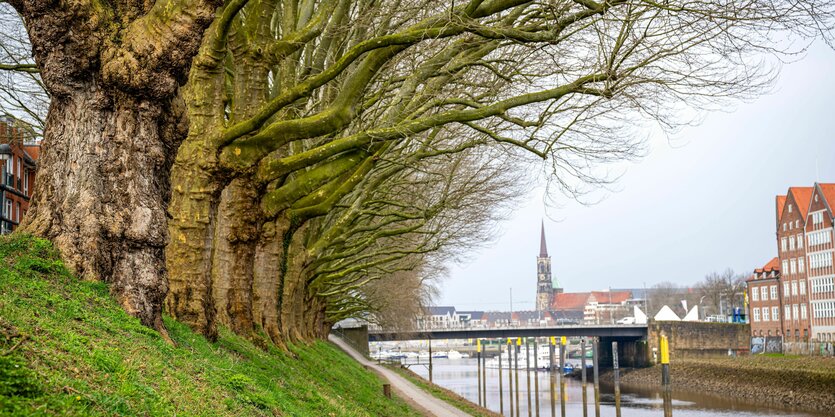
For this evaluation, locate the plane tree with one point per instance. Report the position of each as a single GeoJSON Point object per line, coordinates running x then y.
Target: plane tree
{"type": "Point", "coordinates": [291, 147]}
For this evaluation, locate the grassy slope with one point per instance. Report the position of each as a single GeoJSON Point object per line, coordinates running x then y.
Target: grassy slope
{"type": "Point", "coordinates": [444, 394]}
{"type": "Point", "coordinates": [82, 355]}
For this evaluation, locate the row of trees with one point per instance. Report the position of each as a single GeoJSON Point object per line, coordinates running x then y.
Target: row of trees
{"type": "Point", "coordinates": [276, 165]}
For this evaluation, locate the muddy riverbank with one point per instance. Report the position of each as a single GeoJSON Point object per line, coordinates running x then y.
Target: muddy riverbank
{"type": "Point", "coordinates": [793, 382]}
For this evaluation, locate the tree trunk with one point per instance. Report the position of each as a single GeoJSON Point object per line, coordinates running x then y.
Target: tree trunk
{"type": "Point", "coordinates": [102, 191]}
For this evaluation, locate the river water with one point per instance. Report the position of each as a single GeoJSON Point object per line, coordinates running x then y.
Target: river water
{"type": "Point", "coordinates": [460, 376]}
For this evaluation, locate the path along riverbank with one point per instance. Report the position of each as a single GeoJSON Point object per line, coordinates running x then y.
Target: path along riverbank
{"type": "Point", "coordinates": [800, 382]}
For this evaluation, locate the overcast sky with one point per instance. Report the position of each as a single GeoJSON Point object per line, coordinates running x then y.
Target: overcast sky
{"type": "Point", "coordinates": [702, 202]}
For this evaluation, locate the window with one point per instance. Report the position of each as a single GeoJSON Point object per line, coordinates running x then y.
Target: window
{"type": "Point", "coordinates": [755, 295]}
{"type": "Point", "coordinates": [765, 314]}
{"type": "Point", "coordinates": [764, 293]}
{"type": "Point", "coordinates": [790, 208]}
{"type": "Point", "coordinates": [17, 212]}
{"type": "Point", "coordinates": [785, 267]}
{"type": "Point", "coordinates": [794, 312]}
{"type": "Point", "coordinates": [785, 226]}
{"type": "Point", "coordinates": [791, 242]}
{"type": "Point", "coordinates": [7, 211]}
{"type": "Point", "coordinates": [26, 181]}
{"type": "Point", "coordinates": [793, 266]}
{"type": "Point", "coordinates": [800, 265]}
{"type": "Point", "coordinates": [756, 314]}
{"type": "Point", "coordinates": [797, 223]}
{"type": "Point", "coordinates": [785, 288]}
{"type": "Point", "coordinates": [802, 285]}
{"type": "Point", "coordinates": [775, 313]}
{"type": "Point", "coordinates": [773, 292]}
{"type": "Point", "coordinates": [794, 287]}
{"type": "Point", "coordinates": [787, 313]}
{"type": "Point", "coordinates": [784, 244]}
{"type": "Point", "coordinates": [800, 241]}
{"type": "Point", "coordinates": [803, 314]}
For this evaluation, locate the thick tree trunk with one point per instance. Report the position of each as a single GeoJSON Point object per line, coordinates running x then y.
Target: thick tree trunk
{"type": "Point", "coordinates": [102, 191]}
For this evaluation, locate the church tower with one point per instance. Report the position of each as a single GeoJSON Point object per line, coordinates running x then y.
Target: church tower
{"type": "Point", "coordinates": [544, 284]}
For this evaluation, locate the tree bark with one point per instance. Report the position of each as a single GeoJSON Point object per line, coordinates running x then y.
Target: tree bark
{"type": "Point", "coordinates": [112, 132]}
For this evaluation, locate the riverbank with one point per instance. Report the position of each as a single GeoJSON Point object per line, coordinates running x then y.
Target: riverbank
{"type": "Point", "coordinates": [68, 349]}
{"type": "Point", "coordinates": [444, 394]}
{"type": "Point", "coordinates": [798, 382]}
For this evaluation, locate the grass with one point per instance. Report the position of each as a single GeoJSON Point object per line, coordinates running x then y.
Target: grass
{"type": "Point", "coordinates": [444, 394]}
{"type": "Point", "coordinates": [66, 348]}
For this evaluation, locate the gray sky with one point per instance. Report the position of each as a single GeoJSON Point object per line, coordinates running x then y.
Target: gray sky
{"type": "Point", "coordinates": [700, 201]}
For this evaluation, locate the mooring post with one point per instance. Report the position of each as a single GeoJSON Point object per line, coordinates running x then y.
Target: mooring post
{"type": "Point", "coordinates": [478, 365]}
{"type": "Point", "coordinates": [501, 393]}
{"type": "Point", "coordinates": [616, 374]}
{"type": "Point", "coordinates": [528, 374]}
{"type": "Point", "coordinates": [536, 374]}
{"type": "Point", "coordinates": [430, 360]}
{"type": "Point", "coordinates": [516, 372]}
{"type": "Point", "coordinates": [484, 376]}
{"type": "Point", "coordinates": [583, 360]}
{"type": "Point", "coordinates": [510, 374]}
{"type": "Point", "coordinates": [553, 375]}
{"type": "Point", "coordinates": [665, 362]}
{"type": "Point", "coordinates": [595, 362]}
{"type": "Point", "coordinates": [563, 396]}
{"type": "Point", "coordinates": [387, 390]}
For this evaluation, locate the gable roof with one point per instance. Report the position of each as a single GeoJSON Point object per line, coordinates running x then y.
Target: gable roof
{"type": "Point", "coordinates": [781, 201]}
{"type": "Point", "coordinates": [772, 265]}
{"type": "Point", "coordinates": [611, 297]}
{"type": "Point", "coordinates": [474, 315]}
{"type": "Point", "coordinates": [570, 301]}
{"type": "Point", "coordinates": [802, 197]}
{"type": "Point", "coordinates": [440, 310]}
{"type": "Point", "coordinates": [828, 192]}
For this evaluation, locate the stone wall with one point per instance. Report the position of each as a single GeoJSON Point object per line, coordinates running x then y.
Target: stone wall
{"type": "Point", "coordinates": [357, 337]}
{"type": "Point", "coordinates": [699, 339]}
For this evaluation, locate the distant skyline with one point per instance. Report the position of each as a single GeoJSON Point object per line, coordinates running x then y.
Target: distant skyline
{"type": "Point", "coordinates": [701, 202]}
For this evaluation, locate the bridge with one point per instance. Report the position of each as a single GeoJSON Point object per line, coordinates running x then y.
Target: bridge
{"type": "Point", "coordinates": [633, 349]}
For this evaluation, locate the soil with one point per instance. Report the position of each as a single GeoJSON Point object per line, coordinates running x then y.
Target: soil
{"type": "Point", "coordinates": [801, 382]}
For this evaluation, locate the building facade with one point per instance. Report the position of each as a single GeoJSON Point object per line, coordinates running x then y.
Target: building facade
{"type": "Point", "coordinates": [17, 176]}
{"type": "Point", "coordinates": [791, 223]}
{"type": "Point", "coordinates": [820, 260]}
{"type": "Point", "coordinates": [765, 300]}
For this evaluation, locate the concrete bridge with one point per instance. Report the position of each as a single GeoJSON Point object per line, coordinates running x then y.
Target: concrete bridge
{"type": "Point", "coordinates": [633, 348]}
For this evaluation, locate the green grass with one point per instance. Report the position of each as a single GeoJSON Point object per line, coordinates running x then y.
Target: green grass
{"type": "Point", "coordinates": [66, 348]}
{"type": "Point", "coordinates": [444, 394]}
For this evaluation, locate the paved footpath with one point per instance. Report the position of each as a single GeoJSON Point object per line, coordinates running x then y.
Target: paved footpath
{"type": "Point", "coordinates": [405, 389]}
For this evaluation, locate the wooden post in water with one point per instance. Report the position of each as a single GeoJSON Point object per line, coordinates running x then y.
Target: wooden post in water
{"type": "Point", "coordinates": [595, 362]}
{"type": "Point", "coordinates": [478, 365]}
{"type": "Point", "coordinates": [584, 376]}
{"type": "Point", "coordinates": [430, 360]}
{"type": "Point", "coordinates": [484, 376]}
{"type": "Point", "coordinates": [616, 377]}
{"type": "Point", "coordinates": [665, 362]}
{"type": "Point", "coordinates": [510, 374]}
{"type": "Point", "coordinates": [553, 377]}
{"type": "Point", "coordinates": [563, 397]}
{"type": "Point", "coordinates": [528, 374]}
{"type": "Point", "coordinates": [516, 372]}
{"type": "Point", "coordinates": [501, 393]}
{"type": "Point", "coordinates": [536, 374]}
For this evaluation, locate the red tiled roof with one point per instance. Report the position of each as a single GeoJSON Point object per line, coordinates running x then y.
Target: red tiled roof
{"type": "Point", "coordinates": [802, 196]}
{"type": "Point", "coordinates": [570, 301]}
{"type": "Point", "coordinates": [772, 265]}
{"type": "Point", "coordinates": [781, 201]}
{"type": "Point", "coordinates": [611, 297]}
{"type": "Point", "coordinates": [828, 191]}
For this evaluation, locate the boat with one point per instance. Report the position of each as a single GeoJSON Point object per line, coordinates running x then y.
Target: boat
{"type": "Point", "coordinates": [454, 355]}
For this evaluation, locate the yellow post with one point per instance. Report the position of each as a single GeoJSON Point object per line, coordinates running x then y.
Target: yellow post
{"type": "Point", "coordinates": [665, 362]}
{"type": "Point", "coordinates": [478, 345]}
{"type": "Point", "coordinates": [518, 341]}
{"type": "Point", "coordinates": [563, 340]}
{"type": "Point", "coordinates": [553, 340]}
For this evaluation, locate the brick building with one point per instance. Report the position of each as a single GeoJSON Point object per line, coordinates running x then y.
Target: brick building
{"type": "Point", "coordinates": [764, 300]}
{"type": "Point", "coordinates": [820, 260]}
{"type": "Point", "coordinates": [791, 249]}
{"type": "Point", "coordinates": [17, 175]}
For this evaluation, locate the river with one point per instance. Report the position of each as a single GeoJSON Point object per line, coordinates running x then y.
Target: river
{"type": "Point", "coordinates": [460, 376]}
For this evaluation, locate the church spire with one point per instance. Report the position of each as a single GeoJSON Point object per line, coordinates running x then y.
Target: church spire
{"type": "Point", "coordinates": [543, 249]}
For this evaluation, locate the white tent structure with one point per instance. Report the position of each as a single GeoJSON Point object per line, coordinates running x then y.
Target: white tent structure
{"type": "Point", "coordinates": [666, 314]}
{"type": "Point", "coordinates": [640, 316]}
{"type": "Point", "coordinates": [692, 315]}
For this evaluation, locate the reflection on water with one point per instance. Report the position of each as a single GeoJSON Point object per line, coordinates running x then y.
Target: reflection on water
{"type": "Point", "coordinates": [461, 376]}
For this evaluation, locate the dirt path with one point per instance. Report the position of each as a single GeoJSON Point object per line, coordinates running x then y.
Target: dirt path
{"type": "Point", "coordinates": [430, 405]}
